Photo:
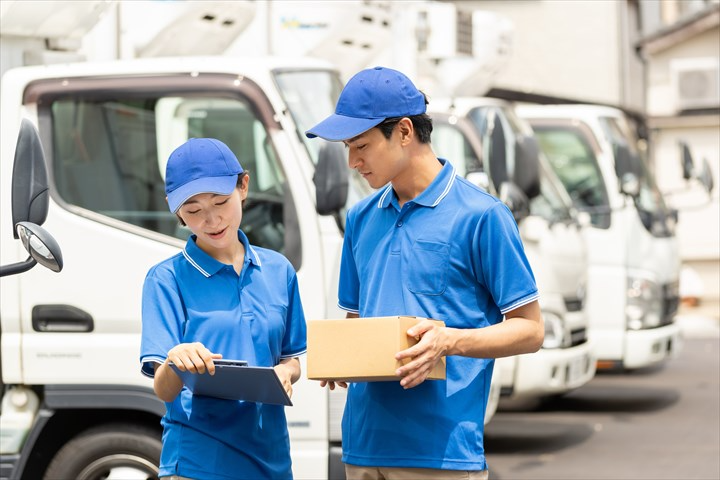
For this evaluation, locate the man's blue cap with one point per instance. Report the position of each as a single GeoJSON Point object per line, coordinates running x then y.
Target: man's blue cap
{"type": "Point", "coordinates": [200, 165]}
{"type": "Point", "coordinates": [370, 97]}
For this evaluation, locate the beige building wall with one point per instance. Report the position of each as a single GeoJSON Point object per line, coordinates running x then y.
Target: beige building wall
{"type": "Point", "coordinates": [699, 215]}
{"type": "Point", "coordinates": [563, 48]}
{"type": "Point", "coordinates": [661, 83]}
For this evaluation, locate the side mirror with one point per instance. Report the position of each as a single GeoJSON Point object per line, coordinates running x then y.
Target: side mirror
{"type": "Point", "coordinates": [331, 179]}
{"type": "Point", "coordinates": [516, 200]}
{"type": "Point", "coordinates": [527, 165]}
{"type": "Point", "coordinates": [686, 161]}
{"type": "Point", "coordinates": [41, 246]}
{"type": "Point", "coordinates": [705, 176]}
{"type": "Point", "coordinates": [30, 195]}
{"type": "Point", "coordinates": [497, 163]}
{"type": "Point", "coordinates": [626, 170]}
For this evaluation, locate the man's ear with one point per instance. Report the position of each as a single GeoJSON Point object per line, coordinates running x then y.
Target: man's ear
{"type": "Point", "coordinates": [406, 130]}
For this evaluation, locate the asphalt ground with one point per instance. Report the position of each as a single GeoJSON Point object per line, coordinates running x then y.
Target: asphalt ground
{"type": "Point", "coordinates": [656, 423]}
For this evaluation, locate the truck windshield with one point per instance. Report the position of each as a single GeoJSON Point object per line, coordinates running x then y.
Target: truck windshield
{"type": "Point", "coordinates": [649, 201]}
{"type": "Point", "coordinates": [310, 96]}
{"type": "Point", "coordinates": [110, 143]}
{"type": "Point", "coordinates": [573, 160]}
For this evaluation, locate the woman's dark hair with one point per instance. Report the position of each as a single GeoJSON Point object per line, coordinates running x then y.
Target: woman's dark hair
{"type": "Point", "coordinates": [237, 185]}
{"type": "Point", "coordinates": [421, 123]}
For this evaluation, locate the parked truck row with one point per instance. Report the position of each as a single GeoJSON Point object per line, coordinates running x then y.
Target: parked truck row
{"type": "Point", "coordinates": [70, 342]}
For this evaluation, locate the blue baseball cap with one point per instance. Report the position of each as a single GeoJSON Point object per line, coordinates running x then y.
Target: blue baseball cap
{"type": "Point", "coordinates": [200, 165]}
{"type": "Point", "coordinates": [370, 96]}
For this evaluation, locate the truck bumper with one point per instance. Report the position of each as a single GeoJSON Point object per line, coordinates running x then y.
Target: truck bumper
{"type": "Point", "coordinates": [553, 371]}
{"type": "Point", "coordinates": [644, 348]}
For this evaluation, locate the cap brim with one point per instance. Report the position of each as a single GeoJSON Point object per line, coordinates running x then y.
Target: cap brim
{"type": "Point", "coordinates": [336, 127]}
{"type": "Point", "coordinates": [219, 185]}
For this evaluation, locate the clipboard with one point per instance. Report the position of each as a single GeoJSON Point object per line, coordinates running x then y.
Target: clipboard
{"type": "Point", "coordinates": [235, 380]}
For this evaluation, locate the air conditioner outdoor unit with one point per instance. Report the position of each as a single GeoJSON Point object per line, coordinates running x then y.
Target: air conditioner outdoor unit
{"type": "Point", "coordinates": [696, 83]}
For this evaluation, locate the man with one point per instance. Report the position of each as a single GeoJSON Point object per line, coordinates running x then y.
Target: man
{"type": "Point", "coordinates": [430, 244]}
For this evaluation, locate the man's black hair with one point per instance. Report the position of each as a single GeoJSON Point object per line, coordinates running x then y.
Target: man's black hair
{"type": "Point", "coordinates": [421, 123]}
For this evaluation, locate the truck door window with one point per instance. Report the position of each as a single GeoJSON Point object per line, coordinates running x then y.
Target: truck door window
{"type": "Point", "coordinates": [574, 162]}
{"type": "Point", "coordinates": [109, 154]}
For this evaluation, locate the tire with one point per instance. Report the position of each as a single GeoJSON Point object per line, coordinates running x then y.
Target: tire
{"type": "Point", "coordinates": [109, 452]}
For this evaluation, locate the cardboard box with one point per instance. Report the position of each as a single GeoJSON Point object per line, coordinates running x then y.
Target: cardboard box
{"type": "Point", "coordinates": [361, 349]}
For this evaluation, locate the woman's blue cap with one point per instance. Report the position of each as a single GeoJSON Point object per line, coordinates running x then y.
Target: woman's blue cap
{"type": "Point", "coordinates": [371, 96]}
{"type": "Point", "coordinates": [200, 165]}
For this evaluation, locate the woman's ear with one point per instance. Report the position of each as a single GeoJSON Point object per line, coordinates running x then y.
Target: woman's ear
{"type": "Point", "coordinates": [244, 186]}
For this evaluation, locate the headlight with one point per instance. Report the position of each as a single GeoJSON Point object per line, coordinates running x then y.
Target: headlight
{"type": "Point", "coordinates": [554, 331]}
{"type": "Point", "coordinates": [644, 304]}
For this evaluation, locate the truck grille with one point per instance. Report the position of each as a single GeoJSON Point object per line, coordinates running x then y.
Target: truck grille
{"type": "Point", "coordinates": [671, 301]}
{"type": "Point", "coordinates": [578, 337]}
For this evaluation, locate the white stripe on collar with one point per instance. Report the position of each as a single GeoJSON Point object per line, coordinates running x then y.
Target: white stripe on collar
{"type": "Point", "coordinates": [447, 188]}
{"type": "Point", "coordinates": [257, 257]}
{"type": "Point", "coordinates": [194, 264]}
{"type": "Point", "coordinates": [439, 199]}
{"type": "Point", "coordinates": [388, 189]}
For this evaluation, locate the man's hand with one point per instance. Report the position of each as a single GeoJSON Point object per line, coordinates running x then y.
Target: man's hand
{"type": "Point", "coordinates": [331, 385]}
{"type": "Point", "coordinates": [424, 355]}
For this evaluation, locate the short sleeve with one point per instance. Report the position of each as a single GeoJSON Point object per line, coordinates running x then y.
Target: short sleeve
{"type": "Point", "coordinates": [349, 283]}
{"type": "Point", "coordinates": [295, 339]}
{"type": "Point", "coordinates": [505, 268]}
{"type": "Point", "coordinates": [162, 318]}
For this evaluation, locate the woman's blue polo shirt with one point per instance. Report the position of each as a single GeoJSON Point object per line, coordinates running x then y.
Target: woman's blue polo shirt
{"type": "Point", "coordinates": [454, 254]}
{"type": "Point", "coordinates": [256, 316]}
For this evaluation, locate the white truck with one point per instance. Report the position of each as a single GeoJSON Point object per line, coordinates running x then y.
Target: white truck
{"type": "Point", "coordinates": [491, 146]}
{"type": "Point", "coordinates": [70, 343]}
{"type": "Point", "coordinates": [634, 263]}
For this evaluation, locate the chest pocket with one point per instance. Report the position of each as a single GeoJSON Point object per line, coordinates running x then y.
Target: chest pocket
{"type": "Point", "coordinates": [427, 268]}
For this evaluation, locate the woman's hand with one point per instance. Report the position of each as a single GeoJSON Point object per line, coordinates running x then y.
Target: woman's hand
{"type": "Point", "coordinates": [193, 357]}
{"type": "Point", "coordinates": [288, 371]}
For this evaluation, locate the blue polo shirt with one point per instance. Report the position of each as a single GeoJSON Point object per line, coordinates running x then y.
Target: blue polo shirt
{"type": "Point", "coordinates": [454, 254]}
{"type": "Point", "coordinates": [256, 316]}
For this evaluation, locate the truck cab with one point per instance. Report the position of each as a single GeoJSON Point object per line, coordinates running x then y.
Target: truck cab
{"type": "Point", "coordinates": [489, 145]}
{"type": "Point", "coordinates": [634, 263]}
{"type": "Point", "coordinates": [70, 343]}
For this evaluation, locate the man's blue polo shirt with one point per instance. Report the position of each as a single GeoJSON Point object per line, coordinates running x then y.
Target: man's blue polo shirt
{"type": "Point", "coordinates": [454, 254]}
{"type": "Point", "coordinates": [256, 316]}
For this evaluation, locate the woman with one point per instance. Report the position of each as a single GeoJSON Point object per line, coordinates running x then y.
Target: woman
{"type": "Point", "coordinates": [219, 298]}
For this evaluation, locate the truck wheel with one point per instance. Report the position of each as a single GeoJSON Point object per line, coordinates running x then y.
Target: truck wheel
{"type": "Point", "coordinates": [110, 452]}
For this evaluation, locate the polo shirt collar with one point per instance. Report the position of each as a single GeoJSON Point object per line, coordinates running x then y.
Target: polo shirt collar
{"type": "Point", "coordinates": [207, 265]}
{"type": "Point", "coordinates": [432, 195]}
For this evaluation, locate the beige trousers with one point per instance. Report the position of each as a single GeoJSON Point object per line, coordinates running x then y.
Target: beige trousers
{"type": "Point", "coordinates": [354, 472]}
